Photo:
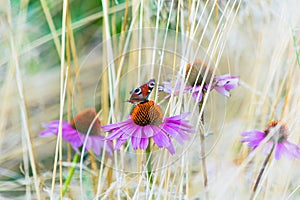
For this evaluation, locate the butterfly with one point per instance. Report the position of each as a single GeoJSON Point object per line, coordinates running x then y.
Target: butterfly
{"type": "Point", "coordinates": [141, 94]}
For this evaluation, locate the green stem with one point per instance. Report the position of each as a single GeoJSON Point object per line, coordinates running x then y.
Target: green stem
{"type": "Point", "coordinates": [149, 166]}
{"type": "Point", "coordinates": [71, 172]}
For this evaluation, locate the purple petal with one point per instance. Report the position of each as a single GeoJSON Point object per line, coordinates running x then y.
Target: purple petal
{"type": "Point", "coordinates": [118, 132]}
{"type": "Point", "coordinates": [197, 96]}
{"type": "Point", "coordinates": [148, 131]}
{"type": "Point", "coordinates": [136, 138]}
{"type": "Point", "coordinates": [119, 143]}
{"type": "Point", "coordinates": [268, 147]}
{"type": "Point", "coordinates": [46, 133]}
{"type": "Point", "coordinates": [227, 78]}
{"type": "Point", "coordinates": [115, 134]}
{"type": "Point", "coordinates": [161, 139]}
{"type": "Point", "coordinates": [254, 144]}
{"type": "Point", "coordinates": [229, 87]}
{"type": "Point", "coordinates": [253, 138]}
{"type": "Point", "coordinates": [97, 143]}
{"type": "Point", "coordinates": [225, 83]}
{"type": "Point", "coordinates": [144, 140]}
{"type": "Point", "coordinates": [109, 148]}
{"type": "Point", "coordinates": [177, 134]}
{"type": "Point", "coordinates": [183, 126]}
{"type": "Point", "coordinates": [75, 139]}
{"type": "Point", "coordinates": [278, 150]}
{"type": "Point", "coordinates": [223, 91]}
{"type": "Point", "coordinates": [111, 127]}
{"type": "Point", "coordinates": [292, 149]}
{"type": "Point", "coordinates": [254, 133]}
{"type": "Point", "coordinates": [178, 117]}
{"type": "Point", "coordinates": [171, 148]}
{"type": "Point", "coordinates": [129, 132]}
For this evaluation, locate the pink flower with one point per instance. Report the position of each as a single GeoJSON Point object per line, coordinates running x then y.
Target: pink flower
{"type": "Point", "coordinates": [222, 84]}
{"type": "Point", "coordinates": [75, 132]}
{"type": "Point", "coordinates": [146, 121]}
{"type": "Point", "coordinates": [197, 73]}
{"type": "Point", "coordinates": [279, 139]}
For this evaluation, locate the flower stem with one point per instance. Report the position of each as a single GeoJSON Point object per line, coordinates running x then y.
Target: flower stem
{"type": "Point", "coordinates": [94, 168]}
{"type": "Point", "coordinates": [262, 169]}
{"type": "Point", "coordinates": [70, 175]}
{"type": "Point", "coordinates": [202, 143]}
{"type": "Point", "coordinates": [149, 166]}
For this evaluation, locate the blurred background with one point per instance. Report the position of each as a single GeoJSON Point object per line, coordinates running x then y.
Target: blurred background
{"type": "Point", "coordinates": [104, 49]}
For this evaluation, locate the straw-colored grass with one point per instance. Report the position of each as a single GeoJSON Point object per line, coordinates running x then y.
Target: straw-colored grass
{"type": "Point", "coordinates": [60, 57]}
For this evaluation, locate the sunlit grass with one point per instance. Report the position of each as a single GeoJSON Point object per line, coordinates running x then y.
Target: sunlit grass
{"type": "Point", "coordinates": [58, 58]}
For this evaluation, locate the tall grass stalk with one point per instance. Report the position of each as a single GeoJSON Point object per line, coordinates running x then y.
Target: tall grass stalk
{"type": "Point", "coordinates": [256, 40]}
{"type": "Point", "coordinates": [23, 112]}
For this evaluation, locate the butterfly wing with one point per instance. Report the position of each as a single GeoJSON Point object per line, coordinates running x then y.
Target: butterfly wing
{"type": "Point", "coordinates": [141, 94]}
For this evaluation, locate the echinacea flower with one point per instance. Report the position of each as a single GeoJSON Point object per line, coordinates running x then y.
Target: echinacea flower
{"type": "Point", "coordinates": [146, 121]}
{"type": "Point", "coordinates": [75, 132]}
{"type": "Point", "coordinates": [196, 74]}
{"type": "Point", "coordinates": [279, 139]}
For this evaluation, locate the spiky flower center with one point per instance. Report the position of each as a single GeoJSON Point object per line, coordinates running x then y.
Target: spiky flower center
{"type": "Point", "coordinates": [86, 118]}
{"type": "Point", "coordinates": [195, 73]}
{"type": "Point", "coordinates": [281, 130]}
{"type": "Point", "coordinates": [147, 113]}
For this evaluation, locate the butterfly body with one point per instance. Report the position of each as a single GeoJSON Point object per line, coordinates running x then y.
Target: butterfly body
{"type": "Point", "coordinates": [141, 94]}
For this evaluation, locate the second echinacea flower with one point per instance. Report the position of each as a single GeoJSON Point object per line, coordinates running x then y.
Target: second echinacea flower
{"type": "Point", "coordinates": [278, 140]}
{"type": "Point", "coordinates": [196, 74]}
{"type": "Point", "coordinates": [75, 132]}
{"type": "Point", "coordinates": [145, 122]}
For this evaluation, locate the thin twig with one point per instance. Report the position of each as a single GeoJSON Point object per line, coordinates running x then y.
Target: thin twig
{"type": "Point", "coordinates": [261, 173]}
{"type": "Point", "coordinates": [202, 144]}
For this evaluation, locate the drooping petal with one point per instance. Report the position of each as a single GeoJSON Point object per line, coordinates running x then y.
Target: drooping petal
{"type": "Point", "coordinates": [268, 147]}
{"type": "Point", "coordinates": [225, 83]}
{"type": "Point", "coordinates": [46, 133]}
{"type": "Point", "coordinates": [292, 149]}
{"type": "Point", "coordinates": [160, 138]}
{"type": "Point", "coordinates": [223, 91]}
{"type": "Point", "coordinates": [144, 140]}
{"type": "Point", "coordinates": [148, 131]}
{"type": "Point", "coordinates": [278, 151]}
{"type": "Point", "coordinates": [286, 151]}
{"type": "Point", "coordinates": [254, 133]}
{"type": "Point", "coordinates": [136, 138]}
{"type": "Point", "coordinates": [171, 148]}
{"type": "Point", "coordinates": [197, 96]}
{"type": "Point", "coordinates": [178, 117]}
{"type": "Point", "coordinates": [96, 143]}
{"type": "Point", "coordinates": [253, 138]}
{"type": "Point", "coordinates": [74, 137]}
{"type": "Point", "coordinates": [179, 135]}
{"type": "Point", "coordinates": [115, 134]}
{"type": "Point", "coordinates": [118, 132]}
{"type": "Point", "coordinates": [129, 132]}
{"type": "Point", "coordinates": [183, 127]}
{"type": "Point", "coordinates": [111, 127]}
{"type": "Point", "coordinates": [119, 143]}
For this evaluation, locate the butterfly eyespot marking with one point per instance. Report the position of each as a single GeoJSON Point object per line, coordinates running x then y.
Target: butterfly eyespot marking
{"type": "Point", "coordinates": [137, 91]}
{"type": "Point", "coordinates": [141, 94]}
{"type": "Point", "coordinates": [151, 83]}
